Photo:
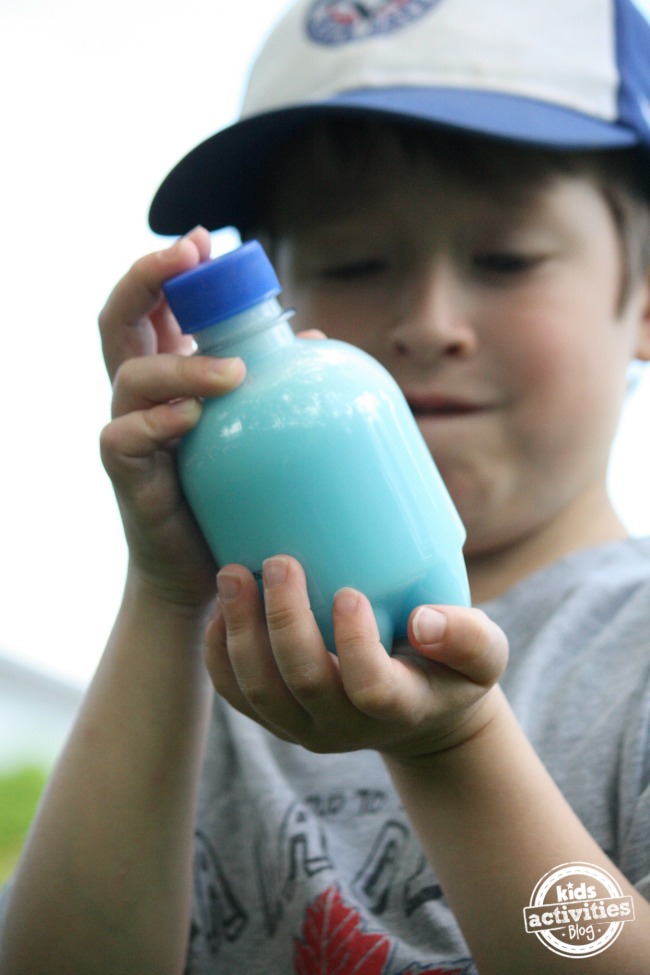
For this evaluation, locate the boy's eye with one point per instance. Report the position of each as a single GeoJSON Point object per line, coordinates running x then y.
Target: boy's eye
{"type": "Point", "coordinates": [352, 270]}
{"type": "Point", "coordinates": [504, 262]}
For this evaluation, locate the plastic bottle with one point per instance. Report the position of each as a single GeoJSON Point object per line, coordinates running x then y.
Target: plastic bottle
{"type": "Point", "coordinates": [315, 455]}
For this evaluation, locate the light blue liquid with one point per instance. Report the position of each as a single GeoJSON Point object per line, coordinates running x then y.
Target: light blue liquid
{"type": "Point", "coordinates": [317, 455]}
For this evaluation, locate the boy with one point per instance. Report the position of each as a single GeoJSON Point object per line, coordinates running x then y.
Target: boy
{"type": "Point", "coordinates": [365, 812]}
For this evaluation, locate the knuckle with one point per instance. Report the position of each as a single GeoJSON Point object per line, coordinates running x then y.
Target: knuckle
{"type": "Point", "coordinates": [144, 271]}
{"type": "Point", "coordinates": [349, 641]}
{"type": "Point", "coordinates": [257, 695]}
{"type": "Point", "coordinates": [476, 643]}
{"type": "Point", "coordinates": [237, 626]}
{"type": "Point", "coordinates": [304, 681]}
{"type": "Point", "coordinates": [152, 428]}
{"type": "Point", "coordinates": [181, 375]}
{"type": "Point", "coordinates": [377, 699]}
{"type": "Point", "coordinates": [124, 375]}
{"type": "Point", "coordinates": [109, 444]}
{"type": "Point", "coordinates": [200, 366]}
{"type": "Point", "coordinates": [485, 647]}
{"type": "Point", "coordinates": [184, 367]}
{"type": "Point", "coordinates": [104, 320]}
{"type": "Point", "coordinates": [107, 437]}
{"type": "Point", "coordinates": [280, 618]}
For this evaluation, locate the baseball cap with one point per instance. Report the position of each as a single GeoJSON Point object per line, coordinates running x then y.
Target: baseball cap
{"type": "Point", "coordinates": [565, 74]}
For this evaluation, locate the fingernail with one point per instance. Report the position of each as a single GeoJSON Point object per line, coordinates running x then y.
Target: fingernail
{"type": "Point", "coordinates": [228, 585]}
{"type": "Point", "coordinates": [429, 625]}
{"type": "Point", "coordinates": [274, 572]}
{"type": "Point", "coordinates": [225, 368]}
{"type": "Point", "coordinates": [346, 601]}
{"type": "Point", "coordinates": [311, 333]}
{"type": "Point", "coordinates": [189, 408]}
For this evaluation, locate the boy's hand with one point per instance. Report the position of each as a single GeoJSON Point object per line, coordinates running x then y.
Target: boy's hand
{"type": "Point", "coordinates": [157, 386]}
{"type": "Point", "coordinates": [274, 667]}
{"type": "Point", "coordinates": [136, 320]}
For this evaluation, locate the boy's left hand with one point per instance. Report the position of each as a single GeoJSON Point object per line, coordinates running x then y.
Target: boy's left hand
{"type": "Point", "coordinates": [274, 667]}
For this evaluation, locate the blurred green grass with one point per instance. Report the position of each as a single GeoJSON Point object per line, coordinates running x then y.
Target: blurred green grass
{"type": "Point", "coordinates": [20, 791]}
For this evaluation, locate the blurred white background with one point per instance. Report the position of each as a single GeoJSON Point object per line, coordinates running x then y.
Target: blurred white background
{"type": "Point", "coordinates": [99, 101]}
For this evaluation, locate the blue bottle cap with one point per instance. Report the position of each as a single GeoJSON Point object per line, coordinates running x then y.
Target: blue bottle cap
{"type": "Point", "coordinates": [223, 287]}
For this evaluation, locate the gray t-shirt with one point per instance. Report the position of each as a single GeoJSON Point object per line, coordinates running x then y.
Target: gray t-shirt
{"type": "Point", "coordinates": [307, 863]}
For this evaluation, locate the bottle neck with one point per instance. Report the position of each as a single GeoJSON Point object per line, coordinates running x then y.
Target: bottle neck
{"type": "Point", "coordinates": [254, 332]}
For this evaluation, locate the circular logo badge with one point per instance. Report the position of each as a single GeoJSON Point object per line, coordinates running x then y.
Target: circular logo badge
{"type": "Point", "coordinates": [578, 910]}
{"type": "Point", "coordinates": [334, 22]}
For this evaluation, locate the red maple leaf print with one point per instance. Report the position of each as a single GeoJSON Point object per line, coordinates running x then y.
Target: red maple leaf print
{"type": "Point", "coordinates": [334, 942]}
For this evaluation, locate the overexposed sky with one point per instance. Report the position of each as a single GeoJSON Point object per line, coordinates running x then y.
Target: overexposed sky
{"type": "Point", "coordinates": [99, 101]}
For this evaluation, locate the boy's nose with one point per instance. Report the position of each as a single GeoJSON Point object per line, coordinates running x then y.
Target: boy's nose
{"type": "Point", "coordinates": [431, 318]}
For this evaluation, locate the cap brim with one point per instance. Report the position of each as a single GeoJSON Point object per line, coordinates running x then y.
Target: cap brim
{"type": "Point", "coordinates": [220, 182]}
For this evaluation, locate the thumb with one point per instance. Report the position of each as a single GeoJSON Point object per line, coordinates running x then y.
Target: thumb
{"type": "Point", "coordinates": [465, 640]}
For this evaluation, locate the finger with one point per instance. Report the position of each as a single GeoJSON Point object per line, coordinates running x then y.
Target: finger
{"type": "Point", "coordinates": [168, 332]}
{"type": "Point", "coordinates": [222, 674]}
{"type": "Point", "coordinates": [140, 289]}
{"type": "Point", "coordinates": [311, 333]}
{"type": "Point", "coordinates": [260, 686]}
{"type": "Point", "coordinates": [308, 669]}
{"type": "Point", "coordinates": [377, 684]}
{"type": "Point", "coordinates": [466, 640]}
{"type": "Point", "coordinates": [139, 434]}
{"type": "Point", "coordinates": [148, 380]}
{"type": "Point", "coordinates": [125, 325]}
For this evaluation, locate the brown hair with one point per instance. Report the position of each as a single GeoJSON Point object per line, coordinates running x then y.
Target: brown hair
{"type": "Point", "coordinates": [506, 169]}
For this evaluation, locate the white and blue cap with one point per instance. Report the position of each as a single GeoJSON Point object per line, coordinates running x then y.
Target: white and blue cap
{"type": "Point", "coordinates": [565, 74]}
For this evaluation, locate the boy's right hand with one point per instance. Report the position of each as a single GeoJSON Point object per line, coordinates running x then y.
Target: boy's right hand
{"type": "Point", "coordinates": [157, 386]}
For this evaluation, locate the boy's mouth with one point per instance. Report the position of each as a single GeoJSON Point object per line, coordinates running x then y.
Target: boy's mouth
{"type": "Point", "coordinates": [425, 405]}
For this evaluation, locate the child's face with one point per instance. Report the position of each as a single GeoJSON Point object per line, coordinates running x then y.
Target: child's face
{"type": "Point", "coordinates": [499, 320]}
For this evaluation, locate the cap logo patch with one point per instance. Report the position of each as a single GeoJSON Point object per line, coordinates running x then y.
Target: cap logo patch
{"type": "Point", "coordinates": [334, 22]}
